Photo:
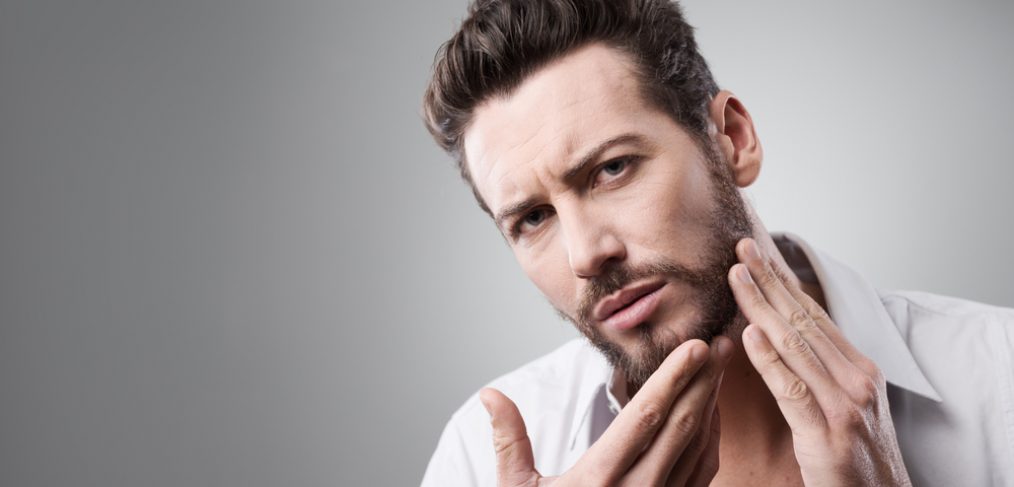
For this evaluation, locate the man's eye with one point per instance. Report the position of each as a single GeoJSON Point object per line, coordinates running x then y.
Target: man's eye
{"type": "Point", "coordinates": [531, 220]}
{"type": "Point", "coordinates": [535, 217]}
{"type": "Point", "coordinates": [614, 168]}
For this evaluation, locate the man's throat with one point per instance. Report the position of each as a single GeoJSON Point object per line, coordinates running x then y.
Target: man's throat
{"type": "Point", "coordinates": [756, 445]}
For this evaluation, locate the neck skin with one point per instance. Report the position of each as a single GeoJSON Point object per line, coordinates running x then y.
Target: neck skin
{"type": "Point", "coordinates": [755, 436]}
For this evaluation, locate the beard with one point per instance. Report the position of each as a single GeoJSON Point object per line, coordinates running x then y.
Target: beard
{"type": "Point", "coordinates": [728, 223]}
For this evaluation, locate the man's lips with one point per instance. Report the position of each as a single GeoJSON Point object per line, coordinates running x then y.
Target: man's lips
{"type": "Point", "coordinates": [622, 302]}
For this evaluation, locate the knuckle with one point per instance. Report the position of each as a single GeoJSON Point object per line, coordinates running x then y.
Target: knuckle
{"type": "Point", "coordinates": [505, 444]}
{"type": "Point", "coordinates": [686, 423]}
{"type": "Point", "coordinates": [795, 390]}
{"type": "Point", "coordinates": [794, 342]}
{"type": "Point", "coordinates": [768, 278]}
{"type": "Point", "coordinates": [813, 308]}
{"type": "Point", "coordinates": [649, 416]}
{"type": "Point", "coordinates": [800, 319]}
{"type": "Point", "coordinates": [867, 392]}
{"type": "Point", "coordinates": [771, 357]}
{"type": "Point", "coordinates": [811, 333]}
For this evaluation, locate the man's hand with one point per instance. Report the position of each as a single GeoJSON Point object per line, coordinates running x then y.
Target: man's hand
{"type": "Point", "coordinates": [666, 436]}
{"type": "Point", "coordinates": [832, 396]}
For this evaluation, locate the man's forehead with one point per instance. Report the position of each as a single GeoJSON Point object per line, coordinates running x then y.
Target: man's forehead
{"type": "Point", "coordinates": [577, 102]}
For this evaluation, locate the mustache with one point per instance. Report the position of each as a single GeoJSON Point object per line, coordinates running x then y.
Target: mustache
{"type": "Point", "coordinates": [617, 277]}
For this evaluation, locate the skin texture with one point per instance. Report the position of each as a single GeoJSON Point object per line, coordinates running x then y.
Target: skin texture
{"type": "Point", "coordinates": [657, 207]}
{"type": "Point", "coordinates": [802, 404]}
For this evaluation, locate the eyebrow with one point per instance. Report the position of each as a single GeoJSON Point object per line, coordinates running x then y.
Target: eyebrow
{"type": "Point", "coordinates": [586, 160]}
{"type": "Point", "coordinates": [593, 155]}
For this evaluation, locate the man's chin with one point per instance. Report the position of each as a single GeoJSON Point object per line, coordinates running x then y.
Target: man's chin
{"type": "Point", "coordinates": [643, 352]}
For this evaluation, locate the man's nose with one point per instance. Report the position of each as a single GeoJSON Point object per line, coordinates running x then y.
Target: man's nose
{"type": "Point", "coordinates": [591, 245]}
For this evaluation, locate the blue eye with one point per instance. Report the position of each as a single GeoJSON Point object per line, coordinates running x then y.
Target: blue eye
{"type": "Point", "coordinates": [615, 167]}
{"type": "Point", "coordinates": [531, 220]}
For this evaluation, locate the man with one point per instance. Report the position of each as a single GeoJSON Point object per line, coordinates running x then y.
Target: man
{"type": "Point", "coordinates": [594, 135]}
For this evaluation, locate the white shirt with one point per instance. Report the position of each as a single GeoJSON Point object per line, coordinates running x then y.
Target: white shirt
{"type": "Point", "coordinates": [948, 364]}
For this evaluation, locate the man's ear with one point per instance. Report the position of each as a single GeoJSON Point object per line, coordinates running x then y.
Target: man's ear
{"type": "Point", "coordinates": [736, 138]}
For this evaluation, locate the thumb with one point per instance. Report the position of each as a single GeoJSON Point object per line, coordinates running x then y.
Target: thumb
{"type": "Point", "coordinates": [515, 464]}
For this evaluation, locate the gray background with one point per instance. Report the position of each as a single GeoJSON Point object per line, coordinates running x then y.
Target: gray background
{"type": "Point", "coordinates": [230, 254]}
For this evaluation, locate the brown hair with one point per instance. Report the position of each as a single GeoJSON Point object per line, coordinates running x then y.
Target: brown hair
{"type": "Point", "coordinates": [501, 42]}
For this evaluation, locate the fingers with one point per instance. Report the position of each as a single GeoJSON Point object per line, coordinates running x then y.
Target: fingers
{"type": "Point", "coordinates": [775, 341]}
{"type": "Point", "coordinates": [707, 466]}
{"type": "Point", "coordinates": [689, 462]}
{"type": "Point", "coordinates": [795, 399]}
{"type": "Point", "coordinates": [679, 440]}
{"type": "Point", "coordinates": [805, 349]}
{"type": "Point", "coordinates": [515, 463]}
{"type": "Point", "coordinates": [833, 333]}
{"type": "Point", "coordinates": [799, 309]}
{"type": "Point", "coordinates": [634, 428]}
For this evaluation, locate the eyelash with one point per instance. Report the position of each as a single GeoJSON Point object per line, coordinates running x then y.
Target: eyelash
{"type": "Point", "coordinates": [627, 161]}
{"type": "Point", "coordinates": [515, 230]}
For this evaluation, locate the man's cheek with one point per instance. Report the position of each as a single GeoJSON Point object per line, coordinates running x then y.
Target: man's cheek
{"type": "Point", "coordinates": [552, 275]}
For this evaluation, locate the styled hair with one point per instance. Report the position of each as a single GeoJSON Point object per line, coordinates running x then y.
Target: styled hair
{"type": "Point", "coordinates": [502, 42]}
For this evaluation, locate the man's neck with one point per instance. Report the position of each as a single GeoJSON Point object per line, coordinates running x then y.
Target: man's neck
{"type": "Point", "coordinates": [756, 440]}
{"type": "Point", "coordinates": [754, 431]}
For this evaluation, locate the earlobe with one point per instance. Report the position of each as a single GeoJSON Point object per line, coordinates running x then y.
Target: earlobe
{"type": "Point", "coordinates": [736, 137]}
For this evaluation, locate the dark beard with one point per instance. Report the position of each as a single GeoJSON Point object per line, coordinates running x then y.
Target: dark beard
{"type": "Point", "coordinates": [729, 223]}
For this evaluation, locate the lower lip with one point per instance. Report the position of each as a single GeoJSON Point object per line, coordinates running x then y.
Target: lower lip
{"type": "Point", "coordinates": [635, 313]}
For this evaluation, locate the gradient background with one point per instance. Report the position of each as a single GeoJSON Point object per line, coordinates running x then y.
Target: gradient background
{"type": "Point", "coordinates": [230, 254]}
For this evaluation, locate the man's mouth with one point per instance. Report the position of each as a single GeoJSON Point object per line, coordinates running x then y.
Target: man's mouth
{"type": "Point", "coordinates": [629, 306]}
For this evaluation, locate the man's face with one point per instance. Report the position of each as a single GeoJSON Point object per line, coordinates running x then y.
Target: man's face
{"type": "Point", "coordinates": [610, 207]}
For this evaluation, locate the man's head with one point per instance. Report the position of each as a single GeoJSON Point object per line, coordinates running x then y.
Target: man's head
{"type": "Point", "coordinates": [501, 43]}
{"type": "Point", "coordinates": [593, 134]}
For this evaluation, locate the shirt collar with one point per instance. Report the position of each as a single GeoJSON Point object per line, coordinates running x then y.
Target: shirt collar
{"type": "Point", "coordinates": [852, 303]}
{"type": "Point", "coordinates": [596, 373]}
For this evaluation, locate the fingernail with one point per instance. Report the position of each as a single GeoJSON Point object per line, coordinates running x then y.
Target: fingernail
{"type": "Point", "coordinates": [743, 274]}
{"type": "Point", "coordinates": [698, 353]}
{"type": "Point", "coordinates": [724, 348]}
{"type": "Point", "coordinates": [485, 404]}
{"type": "Point", "coordinates": [752, 333]}
{"type": "Point", "coordinates": [754, 249]}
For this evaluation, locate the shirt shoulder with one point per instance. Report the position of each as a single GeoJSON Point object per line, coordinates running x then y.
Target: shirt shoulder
{"type": "Point", "coordinates": [954, 340]}
{"type": "Point", "coordinates": [949, 307]}
{"type": "Point", "coordinates": [936, 326]}
{"type": "Point", "coordinates": [966, 351]}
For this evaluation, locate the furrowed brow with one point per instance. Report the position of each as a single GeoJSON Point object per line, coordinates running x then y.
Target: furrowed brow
{"type": "Point", "coordinates": [513, 210]}
{"type": "Point", "coordinates": [586, 160]}
{"type": "Point", "coordinates": [593, 155]}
